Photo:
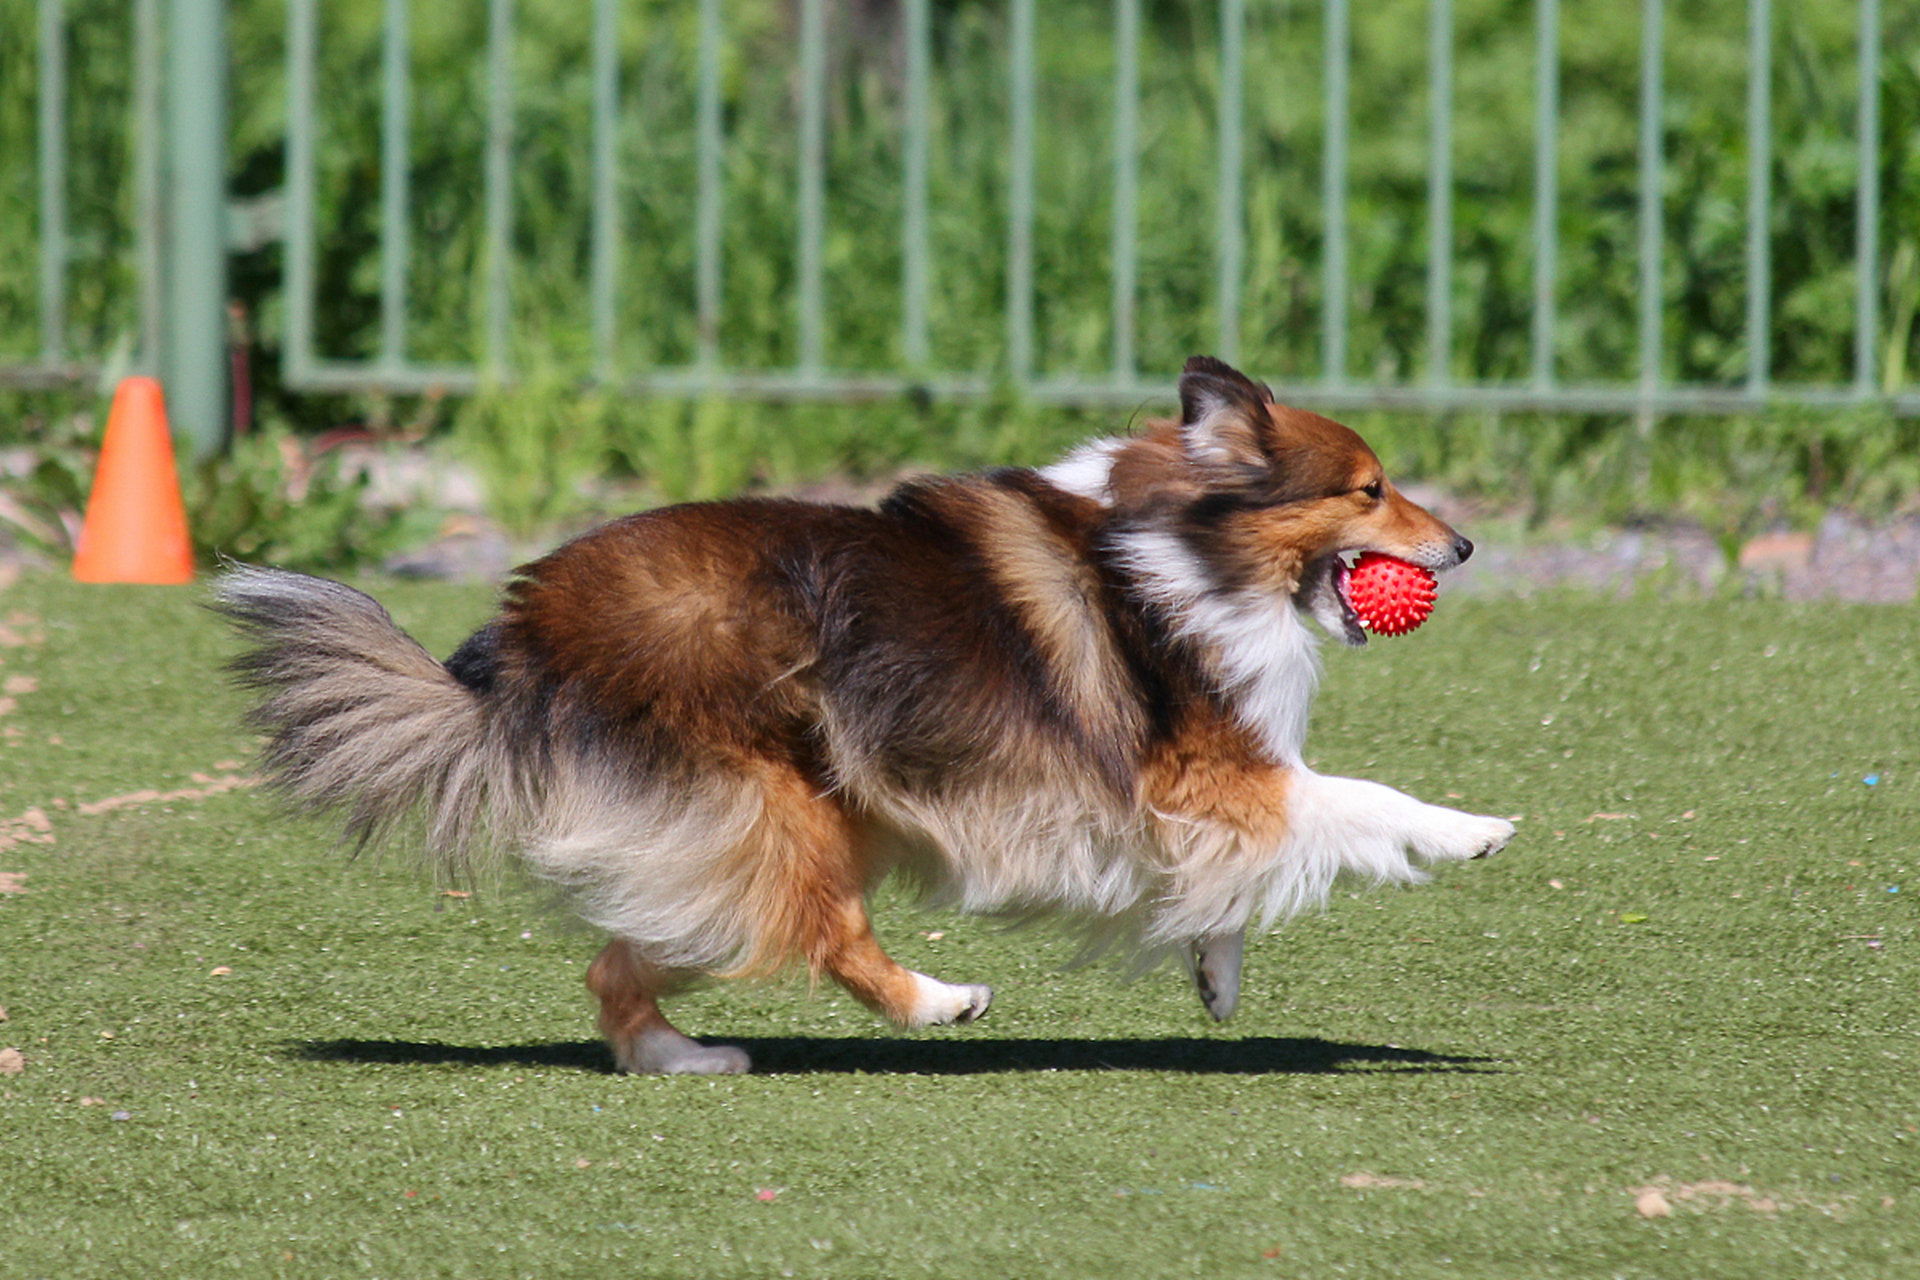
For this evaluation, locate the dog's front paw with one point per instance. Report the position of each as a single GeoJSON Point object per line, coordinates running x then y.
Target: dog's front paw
{"type": "Point", "coordinates": [1461, 837]}
{"type": "Point", "coordinates": [1216, 972]}
{"type": "Point", "coordinates": [1499, 834]}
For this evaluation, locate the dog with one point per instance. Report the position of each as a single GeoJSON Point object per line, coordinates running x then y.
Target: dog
{"type": "Point", "coordinates": [1078, 692]}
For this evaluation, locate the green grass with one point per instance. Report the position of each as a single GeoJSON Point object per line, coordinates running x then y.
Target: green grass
{"type": "Point", "coordinates": [1695, 969]}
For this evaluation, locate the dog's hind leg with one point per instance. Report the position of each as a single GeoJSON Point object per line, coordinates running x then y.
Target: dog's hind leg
{"type": "Point", "coordinates": [1216, 972]}
{"type": "Point", "coordinates": [818, 895]}
{"type": "Point", "coordinates": [643, 1041]}
{"type": "Point", "coordinates": [855, 959]}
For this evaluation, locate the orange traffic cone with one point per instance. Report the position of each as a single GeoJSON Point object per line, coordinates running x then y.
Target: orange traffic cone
{"type": "Point", "coordinates": [136, 527]}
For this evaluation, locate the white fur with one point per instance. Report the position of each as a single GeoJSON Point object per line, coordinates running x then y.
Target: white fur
{"type": "Point", "coordinates": [659, 867]}
{"type": "Point", "coordinates": [1218, 880]}
{"type": "Point", "coordinates": [1264, 658]}
{"type": "Point", "coordinates": [1347, 826]}
{"type": "Point", "coordinates": [1204, 441]}
{"type": "Point", "coordinates": [1086, 470]}
{"type": "Point", "coordinates": [936, 1003]}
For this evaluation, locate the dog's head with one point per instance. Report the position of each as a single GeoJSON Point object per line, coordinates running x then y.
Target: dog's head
{"type": "Point", "coordinates": [1270, 498]}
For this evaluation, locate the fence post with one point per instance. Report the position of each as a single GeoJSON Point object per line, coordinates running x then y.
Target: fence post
{"type": "Point", "coordinates": [194, 363]}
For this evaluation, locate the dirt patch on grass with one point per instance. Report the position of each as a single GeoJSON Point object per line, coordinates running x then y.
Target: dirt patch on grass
{"type": "Point", "coordinates": [35, 826]}
{"type": "Point", "coordinates": [1845, 558]}
{"type": "Point", "coordinates": [1365, 1181]}
{"type": "Point", "coordinates": [205, 787]}
{"type": "Point", "coordinates": [31, 827]}
{"type": "Point", "coordinates": [1661, 1197]}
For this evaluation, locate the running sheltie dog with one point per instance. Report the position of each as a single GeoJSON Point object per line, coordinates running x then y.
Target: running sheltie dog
{"type": "Point", "coordinates": [1079, 692]}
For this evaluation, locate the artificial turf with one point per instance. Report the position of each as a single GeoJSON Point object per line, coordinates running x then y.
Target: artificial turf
{"type": "Point", "coordinates": [1672, 1031]}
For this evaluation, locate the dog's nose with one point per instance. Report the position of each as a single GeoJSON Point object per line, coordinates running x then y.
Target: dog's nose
{"type": "Point", "coordinates": [1461, 548]}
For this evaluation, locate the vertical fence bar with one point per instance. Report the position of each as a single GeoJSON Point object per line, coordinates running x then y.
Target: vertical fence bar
{"type": "Point", "coordinates": [813, 179]}
{"type": "Point", "coordinates": [196, 366]}
{"type": "Point", "coordinates": [499, 179]}
{"type": "Point", "coordinates": [1229, 228]}
{"type": "Point", "coordinates": [1867, 226]}
{"type": "Point", "coordinates": [707, 208]}
{"type": "Point", "coordinates": [1440, 196]}
{"type": "Point", "coordinates": [302, 42]}
{"type": "Point", "coordinates": [913, 284]}
{"type": "Point", "coordinates": [1339, 57]}
{"type": "Point", "coordinates": [1126, 181]}
{"type": "Point", "coordinates": [1651, 206]}
{"type": "Point", "coordinates": [52, 121]}
{"type": "Point", "coordinates": [1020, 199]}
{"type": "Point", "coordinates": [1759, 193]}
{"type": "Point", "coordinates": [395, 148]}
{"type": "Point", "coordinates": [146, 176]}
{"type": "Point", "coordinates": [1546, 191]}
{"type": "Point", "coordinates": [605, 264]}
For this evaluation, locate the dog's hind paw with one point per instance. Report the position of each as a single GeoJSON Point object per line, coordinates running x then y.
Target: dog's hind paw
{"type": "Point", "coordinates": [978, 998]}
{"type": "Point", "coordinates": [662, 1051]}
{"type": "Point", "coordinates": [939, 1004]}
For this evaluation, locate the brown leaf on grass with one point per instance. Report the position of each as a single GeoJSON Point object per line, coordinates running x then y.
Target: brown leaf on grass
{"type": "Point", "coordinates": [12, 882]}
{"type": "Point", "coordinates": [1652, 1203]}
{"type": "Point", "coordinates": [12, 1062]}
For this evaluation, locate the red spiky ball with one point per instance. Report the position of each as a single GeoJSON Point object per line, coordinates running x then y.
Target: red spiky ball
{"type": "Point", "coordinates": [1391, 596]}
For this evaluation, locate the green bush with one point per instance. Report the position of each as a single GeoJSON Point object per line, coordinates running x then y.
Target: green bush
{"type": "Point", "coordinates": [1705, 77]}
{"type": "Point", "coordinates": [271, 500]}
{"type": "Point", "coordinates": [538, 441]}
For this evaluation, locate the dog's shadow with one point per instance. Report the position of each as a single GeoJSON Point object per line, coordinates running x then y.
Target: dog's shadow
{"type": "Point", "coordinates": [810, 1055]}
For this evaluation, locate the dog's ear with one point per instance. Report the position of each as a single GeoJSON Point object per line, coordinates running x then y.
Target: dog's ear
{"type": "Point", "coordinates": [1223, 416]}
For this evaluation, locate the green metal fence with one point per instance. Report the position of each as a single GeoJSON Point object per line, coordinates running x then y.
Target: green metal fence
{"type": "Point", "coordinates": [175, 321]}
{"type": "Point", "coordinates": [180, 318]}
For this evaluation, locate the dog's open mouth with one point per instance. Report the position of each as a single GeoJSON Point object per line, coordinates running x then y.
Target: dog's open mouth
{"type": "Point", "coordinates": [1323, 593]}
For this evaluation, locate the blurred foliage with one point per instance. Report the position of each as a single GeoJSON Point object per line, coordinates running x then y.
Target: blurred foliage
{"type": "Point", "coordinates": [538, 441]}
{"type": "Point", "coordinates": [536, 446]}
{"type": "Point", "coordinates": [271, 499]}
{"type": "Point", "coordinates": [275, 497]}
{"type": "Point", "coordinates": [1814, 174]}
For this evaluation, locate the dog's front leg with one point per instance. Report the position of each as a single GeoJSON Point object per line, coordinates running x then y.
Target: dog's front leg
{"type": "Point", "coordinates": [1216, 971]}
{"type": "Point", "coordinates": [1370, 825]}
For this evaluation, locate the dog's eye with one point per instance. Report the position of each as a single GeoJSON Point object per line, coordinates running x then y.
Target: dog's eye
{"type": "Point", "coordinates": [1373, 490]}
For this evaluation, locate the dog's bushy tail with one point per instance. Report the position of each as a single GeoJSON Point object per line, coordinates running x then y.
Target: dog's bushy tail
{"type": "Point", "coordinates": [362, 721]}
